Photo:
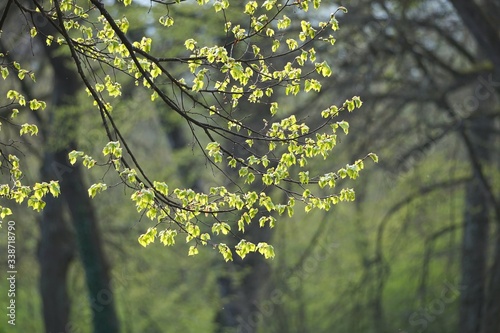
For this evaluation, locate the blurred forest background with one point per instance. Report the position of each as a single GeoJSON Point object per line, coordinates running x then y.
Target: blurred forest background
{"type": "Point", "coordinates": [418, 251]}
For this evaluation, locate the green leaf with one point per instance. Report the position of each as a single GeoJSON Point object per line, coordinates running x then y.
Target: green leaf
{"type": "Point", "coordinates": [4, 211]}
{"type": "Point", "coordinates": [73, 155]}
{"type": "Point", "coordinates": [244, 247]}
{"type": "Point", "coordinates": [190, 44]}
{"type": "Point", "coordinates": [148, 237]}
{"type": "Point", "coordinates": [193, 250]}
{"type": "Point", "coordinates": [357, 101]}
{"type": "Point", "coordinates": [213, 149]}
{"type": "Point", "coordinates": [167, 237]}
{"type": "Point", "coordinates": [274, 108]}
{"type": "Point", "coordinates": [269, 4]}
{"type": "Point", "coordinates": [250, 7]}
{"type": "Point", "coordinates": [166, 20]}
{"type": "Point", "coordinates": [161, 187]}
{"type": "Point", "coordinates": [304, 177]}
{"type": "Point", "coordinates": [266, 250]}
{"type": "Point", "coordinates": [36, 104]}
{"type": "Point", "coordinates": [28, 128]}
{"type": "Point", "coordinates": [36, 204]}
{"type": "Point", "coordinates": [112, 148]}
{"type": "Point", "coordinates": [54, 188]}
{"type": "Point", "coordinates": [5, 72]}
{"type": "Point", "coordinates": [342, 8]}
{"type": "Point", "coordinates": [226, 252]}
{"type": "Point", "coordinates": [96, 188]}
{"type": "Point", "coordinates": [326, 71]}
{"type": "Point", "coordinates": [276, 45]}
{"type": "Point", "coordinates": [374, 157]}
{"type": "Point", "coordinates": [350, 105]}
{"type": "Point", "coordinates": [292, 44]}
{"type": "Point", "coordinates": [344, 125]}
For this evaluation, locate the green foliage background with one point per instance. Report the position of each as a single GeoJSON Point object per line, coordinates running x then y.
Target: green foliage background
{"type": "Point", "coordinates": [330, 267]}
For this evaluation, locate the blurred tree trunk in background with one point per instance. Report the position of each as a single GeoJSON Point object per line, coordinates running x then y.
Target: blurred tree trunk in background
{"type": "Point", "coordinates": [241, 282]}
{"type": "Point", "coordinates": [409, 56]}
{"type": "Point", "coordinates": [414, 64]}
{"type": "Point", "coordinates": [475, 236]}
{"type": "Point", "coordinates": [56, 251]}
{"type": "Point", "coordinates": [56, 246]}
{"type": "Point", "coordinates": [101, 297]}
{"type": "Point", "coordinates": [63, 122]}
{"type": "Point", "coordinates": [480, 301]}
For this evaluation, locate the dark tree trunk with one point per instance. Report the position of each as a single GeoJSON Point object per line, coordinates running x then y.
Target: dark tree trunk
{"type": "Point", "coordinates": [56, 246]}
{"type": "Point", "coordinates": [243, 282]}
{"type": "Point", "coordinates": [91, 252]}
{"type": "Point", "coordinates": [63, 124]}
{"type": "Point", "coordinates": [57, 243]}
{"type": "Point", "coordinates": [476, 231]}
{"type": "Point", "coordinates": [491, 322]}
{"type": "Point", "coordinates": [56, 251]}
{"type": "Point", "coordinates": [473, 258]}
{"type": "Point", "coordinates": [480, 306]}
{"type": "Point", "coordinates": [241, 312]}
{"type": "Point", "coordinates": [484, 30]}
